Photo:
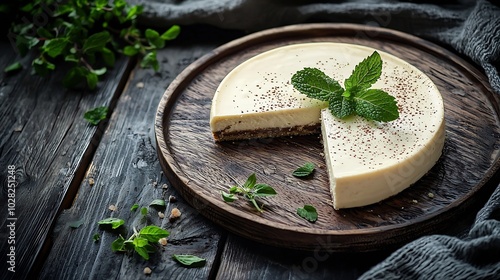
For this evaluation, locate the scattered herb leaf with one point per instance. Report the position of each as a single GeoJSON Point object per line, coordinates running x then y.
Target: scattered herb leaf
{"type": "Point", "coordinates": [189, 260]}
{"type": "Point", "coordinates": [134, 207]}
{"type": "Point", "coordinates": [308, 212]}
{"type": "Point", "coordinates": [158, 203]}
{"type": "Point", "coordinates": [96, 237]}
{"type": "Point", "coordinates": [114, 222]}
{"type": "Point", "coordinates": [250, 190]}
{"type": "Point", "coordinates": [76, 224]}
{"type": "Point", "coordinates": [14, 67]}
{"type": "Point", "coordinates": [141, 241]}
{"type": "Point", "coordinates": [144, 211]}
{"type": "Point", "coordinates": [357, 97]}
{"type": "Point", "coordinates": [305, 170]}
{"type": "Point", "coordinates": [96, 115]}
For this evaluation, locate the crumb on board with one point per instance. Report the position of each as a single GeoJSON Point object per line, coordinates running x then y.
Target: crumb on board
{"type": "Point", "coordinates": [91, 181]}
{"type": "Point", "coordinates": [112, 207]}
{"type": "Point", "coordinates": [161, 215]}
{"type": "Point", "coordinates": [147, 271]}
{"type": "Point", "coordinates": [174, 214]}
{"type": "Point", "coordinates": [431, 195]}
{"type": "Point", "coordinates": [163, 241]}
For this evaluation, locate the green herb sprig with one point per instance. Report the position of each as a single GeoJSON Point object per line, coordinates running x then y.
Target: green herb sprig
{"type": "Point", "coordinates": [357, 97]}
{"type": "Point", "coordinates": [87, 35]}
{"type": "Point", "coordinates": [141, 241]}
{"type": "Point", "coordinates": [250, 190]}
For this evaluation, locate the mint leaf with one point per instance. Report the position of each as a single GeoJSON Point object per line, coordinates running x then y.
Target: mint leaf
{"type": "Point", "coordinates": [250, 182]}
{"type": "Point", "coordinates": [153, 233]}
{"type": "Point", "coordinates": [171, 33]}
{"type": "Point", "coordinates": [315, 84]}
{"type": "Point", "coordinates": [143, 252]}
{"type": "Point", "coordinates": [140, 242]}
{"type": "Point", "coordinates": [189, 260]}
{"type": "Point", "coordinates": [263, 190]}
{"type": "Point", "coordinates": [14, 67]}
{"type": "Point", "coordinates": [365, 74]}
{"type": "Point", "coordinates": [114, 222]}
{"type": "Point", "coordinates": [118, 244]}
{"type": "Point", "coordinates": [144, 211]}
{"type": "Point", "coordinates": [76, 224]}
{"type": "Point", "coordinates": [134, 207]}
{"type": "Point", "coordinates": [149, 60]}
{"type": "Point", "coordinates": [341, 106]}
{"type": "Point", "coordinates": [308, 212]}
{"type": "Point", "coordinates": [158, 203]}
{"type": "Point", "coordinates": [376, 104]}
{"type": "Point", "coordinates": [96, 237]}
{"type": "Point", "coordinates": [96, 42]}
{"type": "Point", "coordinates": [305, 170]}
{"type": "Point", "coordinates": [55, 47]}
{"type": "Point", "coordinates": [357, 98]}
{"type": "Point", "coordinates": [96, 115]}
{"type": "Point", "coordinates": [228, 197]}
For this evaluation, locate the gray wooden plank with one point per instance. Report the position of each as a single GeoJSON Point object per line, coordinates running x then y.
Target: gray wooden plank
{"type": "Point", "coordinates": [126, 171]}
{"type": "Point", "coordinates": [245, 259]}
{"type": "Point", "coordinates": [43, 134]}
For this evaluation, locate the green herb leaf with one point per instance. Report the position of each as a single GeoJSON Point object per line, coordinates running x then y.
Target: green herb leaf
{"type": "Point", "coordinates": [143, 252]}
{"type": "Point", "coordinates": [316, 84]}
{"type": "Point", "coordinates": [96, 115]}
{"type": "Point", "coordinates": [96, 42]}
{"type": "Point", "coordinates": [171, 33]}
{"type": "Point", "coordinates": [134, 207]}
{"type": "Point", "coordinates": [130, 51]}
{"type": "Point", "coordinates": [357, 98]}
{"type": "Point", "coordinates": [305, 170]}
{"type": "Point", "coordinates": [75, 76]}
{"type": "Point", "coordinates": [149, 60]}
{"type": "Point", "coordinates": [153, 233]}
{"type": "Point", "coordinates": [250, 182]}
{"type": "Point", "coordinates": [92, 81]}
{"type": "Point", "coordinates": [76, 224]}
{"type": "Point", "coordinates": [140, 241]}
{"type": "Point", "coordinates": [14, 67]}
{"type": "Point", "coordinates": [114, 222]}
{"type": "Point", "coordinates": [228, 197]}
{"type": "Point", "coordinates": [144, 211]}
{"type": "Point", "coordinates": [55, 47]}
{"type": "Point", "coordinates": [250, 190]}
{"type": "Point", "coordinates": [96, 237]}
{"type": "Point", "coordinates": [118, 244]}
{"type": "Point", "coordinates": [308, 212]}
{"type": "Point", "coordinates": [189, 260]}
{"type": "Point", "coordinates": [365, 74]}
{"type": "Point", "coordinates": [376, 104]}
{"type": "Point", "coordinates": [263, 190]}
{"type": "Point", "coordinates": [158, 203]}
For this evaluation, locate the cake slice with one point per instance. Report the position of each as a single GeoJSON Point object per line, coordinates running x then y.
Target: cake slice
{"type": "Point", "coordinates": [367, 161]}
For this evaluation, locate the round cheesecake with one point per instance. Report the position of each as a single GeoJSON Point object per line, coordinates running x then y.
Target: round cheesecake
{"type": "Point", "coordinates": [367, 161]}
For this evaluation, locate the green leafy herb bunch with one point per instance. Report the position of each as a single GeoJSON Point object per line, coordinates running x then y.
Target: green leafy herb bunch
{"type": "Point", "coordinates": [86, 34]}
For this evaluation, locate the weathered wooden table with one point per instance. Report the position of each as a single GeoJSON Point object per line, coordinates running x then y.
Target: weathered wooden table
{"type": "Point", "coordinates": [56, 154]}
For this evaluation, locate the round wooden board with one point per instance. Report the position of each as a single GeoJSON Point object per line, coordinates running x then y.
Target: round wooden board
{"type": "Point", "coordinates": [199, 168]}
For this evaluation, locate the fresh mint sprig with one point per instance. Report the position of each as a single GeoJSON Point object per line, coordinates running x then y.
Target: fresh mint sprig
{"type": "Point", "coordinates": [357, 97]}
{"type": "Point", "coordinates": [141, 241]}
{"type": "Point", "coordinates": [250, 190]}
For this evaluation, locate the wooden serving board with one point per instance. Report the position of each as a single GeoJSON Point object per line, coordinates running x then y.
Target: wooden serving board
{"type": "Point", "coordinates": [200, 168]}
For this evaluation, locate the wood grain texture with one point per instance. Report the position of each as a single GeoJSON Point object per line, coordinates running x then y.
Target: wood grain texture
{"type": "Point", "coordinates": [43, 134]}
{"type": "Point", "coordinates": [199, 168]}
{"type": "Point", "coordinates": [126, 171]}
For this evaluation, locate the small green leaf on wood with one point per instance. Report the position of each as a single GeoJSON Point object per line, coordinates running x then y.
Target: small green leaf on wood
{"type": "Point", "coordinates": [76, 224]}
{"type": "Point", "coordinates": [305, 170]}
{"type": "Point", "coordinates": [157, 203]}
{"type": "Point", "coordinates": [308, 212]}
{"type": "Point", "coordinates": [96, 115]}
{"type": "Point", "coordinates": [113, 222]}
{"type": "Point", "coordinates": [189, 260]}
{"type": "Point", "coordinates": [14, 67]}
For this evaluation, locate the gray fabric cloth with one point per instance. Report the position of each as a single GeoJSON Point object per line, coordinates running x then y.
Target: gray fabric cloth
{"type": "Point", "coordinates": [471, 28]}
